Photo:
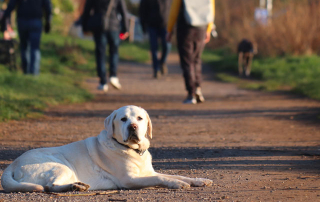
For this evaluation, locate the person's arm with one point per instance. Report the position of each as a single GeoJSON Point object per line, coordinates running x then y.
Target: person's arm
{"type": "Point", "coordinates": [173, 16]}
{"type": "Point", "coordinates": [11, 6]}
{"type": "Point", "coordinates": [211, 25]}
{"type": "Point", "coordinates": [86, 14]}
{"type": "Point", "coordinates": [124, 13]}
{"type": "Point", "coordinates": [174, 12]}
{"type": "Point", "coordinates": [143, 14]}
{"type": "Point", "coordinates": [3, 23]}
{"type": "Point", "coordinates": [48, 14]}
{"type": "Point", "coordinates": [48, 10]}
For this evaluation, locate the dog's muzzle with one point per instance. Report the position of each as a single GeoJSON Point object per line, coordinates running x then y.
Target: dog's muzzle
{"type": "Point", "coordinates": [133, 136]}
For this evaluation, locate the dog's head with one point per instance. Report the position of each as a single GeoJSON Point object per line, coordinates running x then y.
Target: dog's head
{"type": "Point", "coordinates": [130, 125]}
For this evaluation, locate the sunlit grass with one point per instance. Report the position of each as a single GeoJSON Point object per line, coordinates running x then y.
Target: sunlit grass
{"type": "Point", "coordinates": [300, 74]}
{"type": "Point", "coordinates": [65, 63]}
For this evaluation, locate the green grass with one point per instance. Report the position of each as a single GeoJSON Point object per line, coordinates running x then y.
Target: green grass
{"type": "Point", "coordinates": [65, 63]}
{"type": "Point", "coordinates": [300, 74]}
{"type": "Point", "coordinates": [134, 52]}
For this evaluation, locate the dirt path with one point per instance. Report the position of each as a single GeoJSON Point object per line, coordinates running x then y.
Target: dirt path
{"type": "Point", "coordinates": [255, 146]}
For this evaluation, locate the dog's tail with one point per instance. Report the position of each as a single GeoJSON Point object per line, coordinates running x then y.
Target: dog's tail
{"type": "Point", "coordinates": [11, 185]}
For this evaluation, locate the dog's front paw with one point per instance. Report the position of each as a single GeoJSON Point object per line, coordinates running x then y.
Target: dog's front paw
{"type": "Point", "coordinates": [79, 186]}
{"type": "Point", "coordinates": [200, 182]}
{"type": "Point", "coordinates": [177, 184]}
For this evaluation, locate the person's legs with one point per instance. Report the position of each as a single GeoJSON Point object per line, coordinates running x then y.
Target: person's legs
{"type": "Point", "coordinates": [165, 50]}
{"type": "Point", "coordinates": [23, 37]}
{"type": "Point", "coordinates": [100, 51]}
{"type": "Point", "coordinates": [34, 40]}
{"type": "Point", "coordinates": [114, 41]}
{"type": "Point", "coordinates": [185, 48]}
{"type": "Point", "coordinates": [153, 38]}
{"type": "Point", "coordinates": [198, 49]}
{"type": "Point", "coordinates": [199, 46]}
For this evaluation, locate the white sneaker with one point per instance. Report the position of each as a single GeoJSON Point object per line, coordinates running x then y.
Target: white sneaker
{"type": "Point", "coordinates": [114, 81]}
{"type": "Point", "coordinates": [190, 100]}
{"type": "Point", "coordinates": [199, 96]}
{"type": "Point", "coordinates": [103, 87]}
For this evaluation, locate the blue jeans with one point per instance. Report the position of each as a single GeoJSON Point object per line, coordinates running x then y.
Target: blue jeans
{"type": "Point", "coordinates": [154, 35]}
{"type": "Point", "coordinates": [29, 35]}
{"type": "Point", "coordinates": [101, 40]}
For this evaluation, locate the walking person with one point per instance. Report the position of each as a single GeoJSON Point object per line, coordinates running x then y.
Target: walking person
{"type": "Point", "coordinates": [29, 21]}
{"type": "Point", "coordinates": [109, 20]}
{"type": "Point", "coordinates": [194, 25]}
{"type": "Point", "coordinates": [154, 19]}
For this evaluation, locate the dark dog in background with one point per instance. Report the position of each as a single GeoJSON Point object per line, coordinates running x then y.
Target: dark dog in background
{"type": "Point", "coordinates": [246, 51]}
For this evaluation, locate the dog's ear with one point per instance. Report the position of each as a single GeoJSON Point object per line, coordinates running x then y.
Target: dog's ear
{"type": "Point", "coordinates": [108, 122]}
{"type": "Point", "coordinates": [149, 130]}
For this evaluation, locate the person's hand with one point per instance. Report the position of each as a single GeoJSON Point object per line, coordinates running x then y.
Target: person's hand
{"type": "Point", "coordinates": [124, 36]}
{"type": "Point", "coordinates": [47, 27]}
{"type": "Point", "coordinates": [207, 37]}
{"type": "Point", "coordinates": [169, 37]}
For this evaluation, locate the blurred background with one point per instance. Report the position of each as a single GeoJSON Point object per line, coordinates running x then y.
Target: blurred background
{"type": "Point", "coordinates": [285, 32]}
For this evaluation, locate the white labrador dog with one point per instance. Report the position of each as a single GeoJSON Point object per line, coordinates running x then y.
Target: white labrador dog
{"type": "Point", "coordinates": [117, 158]}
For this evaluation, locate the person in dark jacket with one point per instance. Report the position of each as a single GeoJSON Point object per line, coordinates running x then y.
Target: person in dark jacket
{"type": "Point", "coordinates": [107, 33]}
{"type": "Point", "coordinates": [154, 19]}
{"type": "Point", "coordinates": [29, 20]}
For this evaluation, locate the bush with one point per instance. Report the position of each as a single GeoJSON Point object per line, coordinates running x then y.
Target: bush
{"type": "Point", "coordinates": [294, 28]}
{"type": "Point", "coordinates": [65, 6]}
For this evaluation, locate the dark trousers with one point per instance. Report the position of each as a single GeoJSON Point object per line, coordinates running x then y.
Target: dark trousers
{"type": "Point", "coordinates": [190, 46]}
{"type": "Point", "coordinates": [155, 34]}
{"type": "Point", "coordinates": [29, 35]}
{"type": "Point", "coordinates": [101, 40]}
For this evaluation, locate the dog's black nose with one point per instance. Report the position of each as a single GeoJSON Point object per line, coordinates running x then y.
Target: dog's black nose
{"type": "Point", "coordinates": [133, 127]}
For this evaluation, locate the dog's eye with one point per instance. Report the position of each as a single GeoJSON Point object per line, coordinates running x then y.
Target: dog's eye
{"type": "Point", "coordinates": [124, 119]}
{"type": "Point", "coordinates": [139, 118]}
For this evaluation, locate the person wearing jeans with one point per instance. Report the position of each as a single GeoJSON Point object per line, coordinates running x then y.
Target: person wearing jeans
{"type": "Point", "coordinates": [29, 20]}
{"type": "Point", "coordinates": [154, 34]}
{"type": "Point", "coordinates": [154, 18]}
{"type": "Point", "coordinates": [101, 40]}
{"type": "Point", "coordinates": [107, 32]}
{"type": "Point", "coordinates": [30, 34]}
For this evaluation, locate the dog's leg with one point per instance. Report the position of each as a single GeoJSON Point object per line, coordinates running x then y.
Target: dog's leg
{"type": "Point", "coordinates": [64, 179]}
{"type": "Point", "coordinates": [249, 62]}
{"type": "Point", "coordinates": [240, 63]}
{"type": "Point", "coordinates": [103, 184]}
{"type": "Point", "coordinates": [76, 186]}
{"type": "Point", "coordinates": [153, 181]}
{"type": "Point", "coordinates": [195, 182]}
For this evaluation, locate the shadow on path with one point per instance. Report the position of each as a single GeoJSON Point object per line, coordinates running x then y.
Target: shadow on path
{"type": "Point", "coordinates": [303, 114]}
{"type": "Point", "coordinates": [259, 158]}
{"type": "Point", "coordinates": [304, 159]}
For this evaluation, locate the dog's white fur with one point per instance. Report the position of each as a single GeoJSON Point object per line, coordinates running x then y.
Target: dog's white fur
{"type": "Point", "coordinates": [96, 163]}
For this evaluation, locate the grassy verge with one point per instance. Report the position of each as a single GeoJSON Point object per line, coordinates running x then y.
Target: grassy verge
{"type": "Point", "coordinates": [65, 63]}
{"type": "Point", "coordinates": [299, 74]}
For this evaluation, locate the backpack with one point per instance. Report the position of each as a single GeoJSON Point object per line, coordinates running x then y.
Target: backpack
{"type": "Point", "coordinates": [198, 12]}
